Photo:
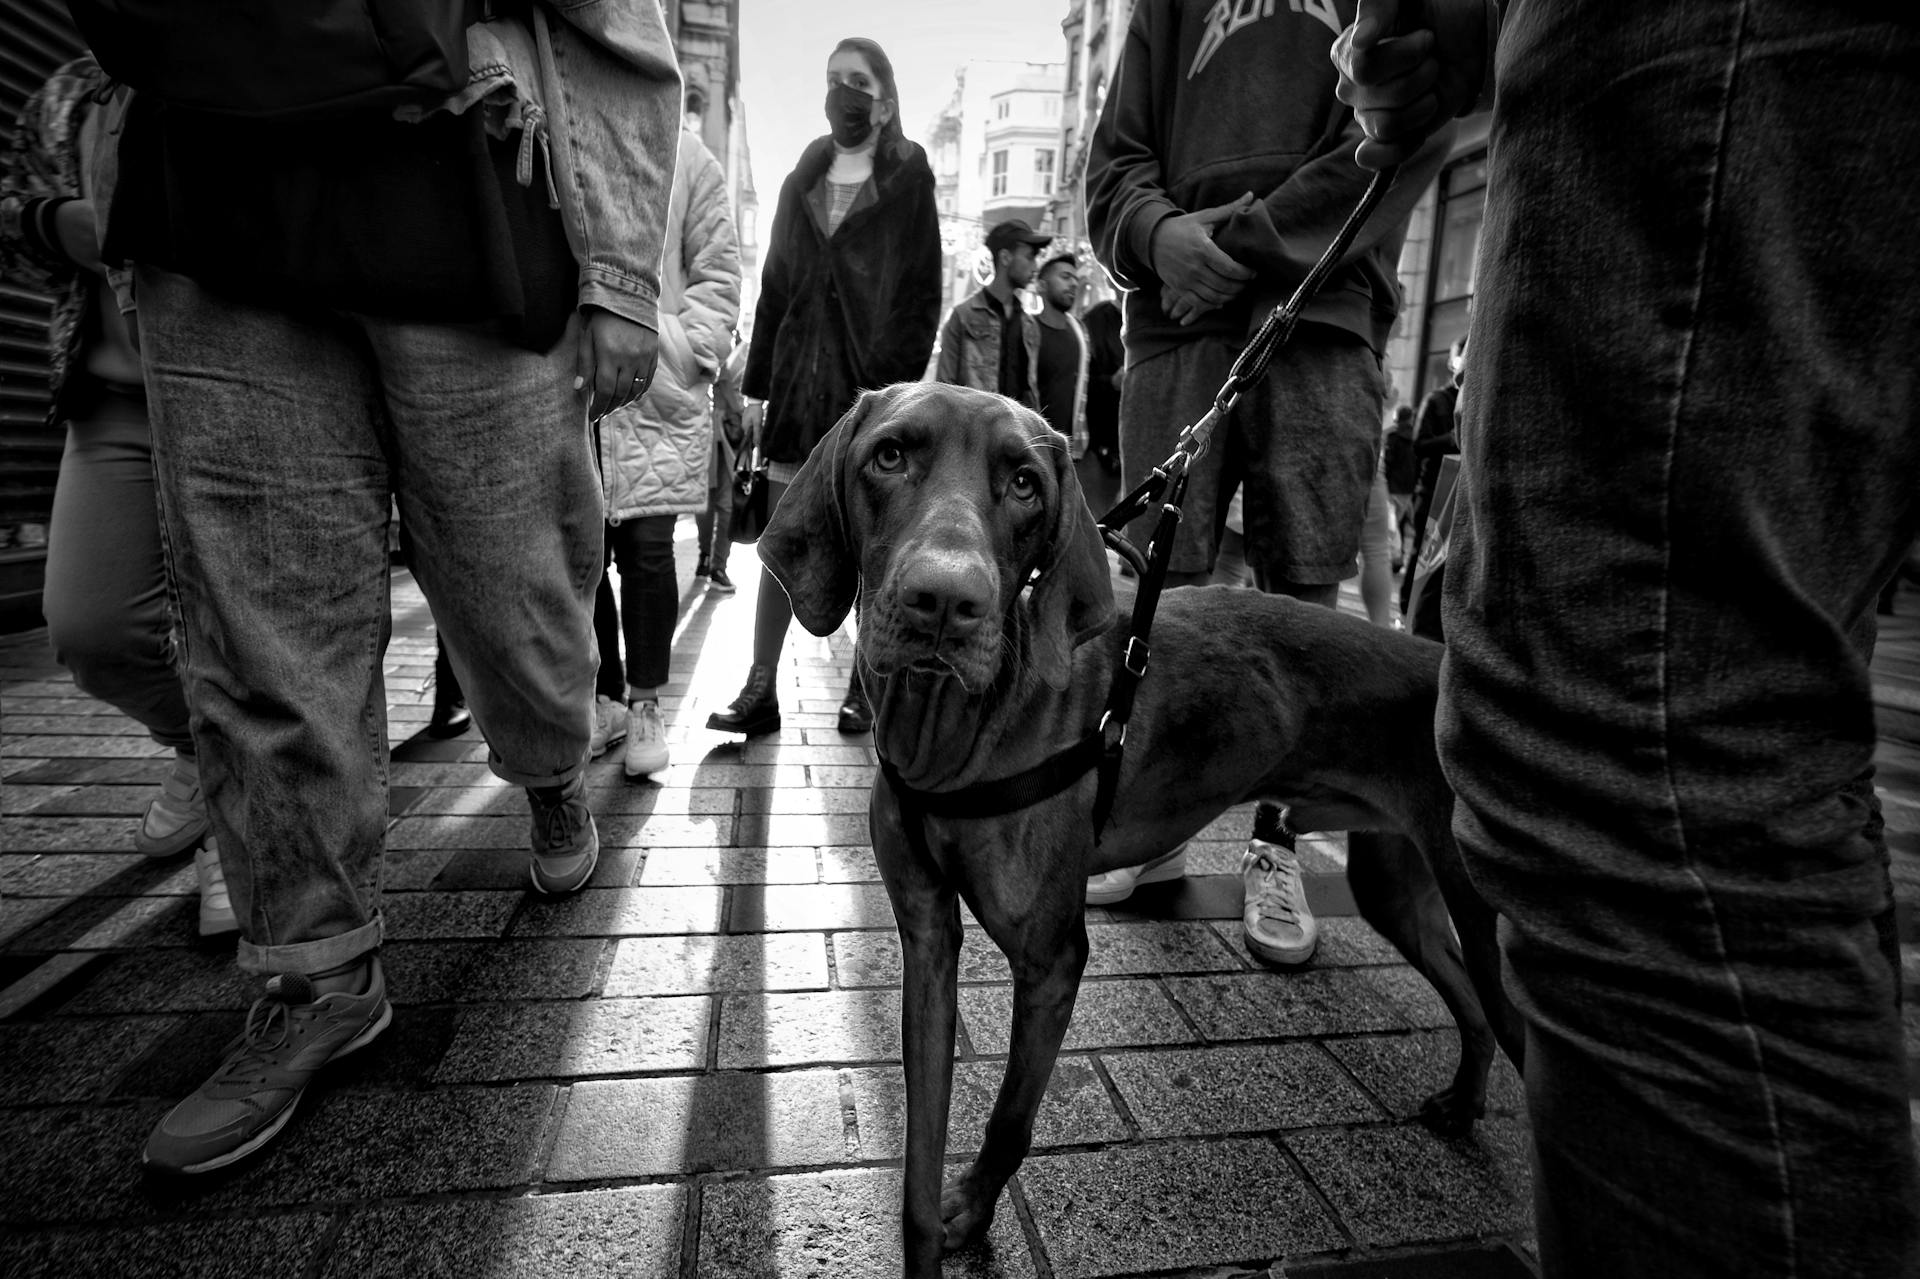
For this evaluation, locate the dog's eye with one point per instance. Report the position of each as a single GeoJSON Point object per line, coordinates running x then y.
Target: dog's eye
{"type": "Point", "coordinates": [887, 456]}
{"type": "Point", "coordinates": [1026, 484]}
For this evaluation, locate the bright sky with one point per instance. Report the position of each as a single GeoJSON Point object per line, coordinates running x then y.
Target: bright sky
{"type": "Point", "coordinates": [783, 62]}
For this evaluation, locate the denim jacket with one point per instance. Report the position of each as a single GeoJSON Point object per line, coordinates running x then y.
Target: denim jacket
{"type": "Point", "coordinates": [969, 353]}
{"type": "Point", "coordinates": [596, 98]}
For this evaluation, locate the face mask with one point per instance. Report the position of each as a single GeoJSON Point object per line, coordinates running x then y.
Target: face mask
{"type": "Point", "coordinates": [849, 114]}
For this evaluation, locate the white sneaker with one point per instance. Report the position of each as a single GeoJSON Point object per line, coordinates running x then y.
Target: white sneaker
{"type": "Point", "coordinates": [1113, 886]}
{"type": "Point", "coordinates": [609, 725]}
{"type": "Point", "coordinates": [216, 908]}
{"type": "Point", "coordinates": [1275, 921]}
{"type": "Point", "coordinates": [646, 737]}
{"type": "Point", "coordinates": [177, 820]}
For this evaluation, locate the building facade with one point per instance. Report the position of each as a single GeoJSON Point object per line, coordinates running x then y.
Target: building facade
{"type": "Point", "coordinates": [992, 147]}
{"type": "Point", "coordinates": [1094, 32]}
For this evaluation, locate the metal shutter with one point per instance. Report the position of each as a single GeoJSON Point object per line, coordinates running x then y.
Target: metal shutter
{"type": "Point", "coordinates": [36, 36]}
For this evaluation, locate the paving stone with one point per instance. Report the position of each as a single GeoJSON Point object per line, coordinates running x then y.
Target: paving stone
{"type": "Point", "coordinates": [624, 912]}
{"type": "Point", "coordinates": [837, 799]}
{"type": "Point", "coordinates": [674, 1125]}
{"type": "Point", "coordinates": [1107, 1014]}
{"type": "Point", "coordinates": [426, 916]}
{"type": "Point", "coordinates": [729, 866]}
{"type": "Point", "coordinates": [1412, 994]}
{"type": "Point", "coordinates": [785, 828]}
{"type": "Point", "coordinates": [505, 869]}
{"type": "Point", "coordinates": [464, 971]}
{"type": "Point", "coordinates": [415, 870]}
{"type": "Point", "coordinates": [666, 830]}
{"type": "Point", "coordinates": [1152, 948]}
{"type": "Point", "coordinates": [116, 923]}
{"type": "Point", "coordinates": [130, 772]}
{"type": "Point", "coordinates": [81, 801]}
{"type": "Point", "coordinates": [166, 981]}
{"type": "Point", "coordinates": [778, 908]}
{"type": "Point", "coordinates": [606, 1234]}
{"type": "Point", "coordinates": [1165, 1206]}
{"type": "Point", "coordinates": [74, 725]}
{"type": "Point", "coordinates": [243, 1248]}
{"type": "Point", "coordinates": [853, 776]}
{"type": "Point", "coordinates": [688, 965]}
{"type": "Point", "coordinates": [873, 959]}
{"type": "Point", "coordinates": [833, 1225]}
{"type": "Point", "coordinates": [605, 1037]}
{"type": "Point", "coordinates": [1403, 1185]}
{"type": "Point", "coordinates": [778, 1029]}
{"type": "Point", "coordinates": [85, 1164]}
{"type": "Point", "coordinates": [67, 834]}
{"type": "Point", "coordinates": [1275, 1005]}
{"type": "Point", "coordinates": [71, 1059]}
{"type": "Point", "coordinates": [848, 864]}
{"type": "Point", "coordinates": [1404, 1070]}
{"type": "Point", "coordinates": [1235, 1090]}
{"type": "Point", "coordinates": [18, 915]}
{"type": "Point", "coordinates": [1076, 1110]}
{"type": "Point", "coordinates": [89, 746]}
{"type": "Point", "coordinates": [354, 1145]}
{"type": "Point", "coordinates": [72, 874]}
{"type": "Point", "coordinates": [17, 800]}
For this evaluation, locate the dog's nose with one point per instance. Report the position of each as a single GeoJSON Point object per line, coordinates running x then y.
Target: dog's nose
{"type": "Point", "coordinates": [945, 596]}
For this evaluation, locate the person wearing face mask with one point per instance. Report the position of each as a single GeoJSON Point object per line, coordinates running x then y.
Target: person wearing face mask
{"type": "Point", "coordinates": [849, 299]}
{"type": "Point", "coordinates": [989, 342]}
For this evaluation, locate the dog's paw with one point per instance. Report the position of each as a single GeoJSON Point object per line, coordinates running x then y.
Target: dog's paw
{"type": "Point", "coordinates": [966, 1210]}
{"type": "Point", "coordinates": [1451, 1111]}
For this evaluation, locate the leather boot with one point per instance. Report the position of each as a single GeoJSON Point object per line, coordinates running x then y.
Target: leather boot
{"type": "Point", "coordinates": [856, 712]}
{"type": "Point", "coordinates": [755, 711]}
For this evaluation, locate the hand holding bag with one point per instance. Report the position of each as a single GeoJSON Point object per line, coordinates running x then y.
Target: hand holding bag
{"type": "Point", "coordinates": [749, 498]}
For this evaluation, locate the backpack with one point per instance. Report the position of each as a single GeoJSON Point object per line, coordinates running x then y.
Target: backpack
{"type": "Point", "coordinates": [283, 60]}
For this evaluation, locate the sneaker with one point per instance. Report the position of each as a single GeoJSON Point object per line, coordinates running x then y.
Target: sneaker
{"type": "Point", "coordinates": [291, 1033]}
{"type": "Point", "coordinates": [177, 820]}
{"type": "Point", "coordinates": [718, 582]}
{"type": "Point", "coordinates": [1275, 921]}
{"type": "Point", "coordinates": [646, 735]}
{"type": "Point", "coordinates": [216, 907]}
{"type": "Point", "coordinates": [609, 725]}
{"type": "Point", "coordinates": [1117, 885]}
{"type": "Point", "coordinates": [565, 843]}
{"type": "Point", "coordinates": [755, 711]}
{"type": "Point", "coordinates": [704, 567]}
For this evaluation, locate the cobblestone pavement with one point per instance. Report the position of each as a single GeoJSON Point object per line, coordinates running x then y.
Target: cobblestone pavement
{"type": "Point", "coordinates": [691, 1067]}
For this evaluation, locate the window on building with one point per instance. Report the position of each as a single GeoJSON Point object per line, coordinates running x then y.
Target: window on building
{"type": "Point", "coordinates": [1073, 67]}
{"type": "Point", "coordinates": [1043, 171]}
{"type": "Point", "coordinates": [1002, 108]}
{"type": "Point", "coordinates": [999, 186]}
{"type": "Point", "coordinates": [1462, 203]}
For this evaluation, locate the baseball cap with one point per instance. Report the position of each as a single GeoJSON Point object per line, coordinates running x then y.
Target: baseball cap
{"type": "Point", "coordinates": [1012, 232]}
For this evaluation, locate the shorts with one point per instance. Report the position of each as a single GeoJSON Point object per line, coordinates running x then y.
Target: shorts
{"type": "Point", "coordinates": [1304, 443]}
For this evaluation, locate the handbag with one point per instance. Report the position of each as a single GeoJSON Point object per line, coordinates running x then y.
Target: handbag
{"type": "Point", "coordinates": [749, 498]}
{"type": "Point", "coordinates": [283, 61]}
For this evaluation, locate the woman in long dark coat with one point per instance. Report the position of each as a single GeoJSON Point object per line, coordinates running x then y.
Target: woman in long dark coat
{"type": "Point", "coordinates": [849, 299]}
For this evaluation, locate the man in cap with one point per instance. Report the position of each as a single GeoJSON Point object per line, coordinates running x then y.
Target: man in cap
{"type": "Point", "coordinates": [989, 342]}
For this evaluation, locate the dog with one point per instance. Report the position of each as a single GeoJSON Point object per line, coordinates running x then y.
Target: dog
{"type": "Point", "coordinates": [952, 520]}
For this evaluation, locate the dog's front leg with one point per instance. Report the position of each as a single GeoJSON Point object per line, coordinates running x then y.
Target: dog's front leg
{"type": "Point", "coordinates": [927, 912]}
{"type": "Point", "coordinates": [1048, 953]}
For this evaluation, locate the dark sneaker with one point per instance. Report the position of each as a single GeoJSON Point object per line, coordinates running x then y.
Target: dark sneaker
{"type": "Point", "coordinates": [290, 1035]}
{"type": "Point", "coordinates": [856, 713]}
{"type": "Point", "coordinates": [718, 582]}
{"type": "Point", "coordinates": [704, 567]}
{"type": "Point", "coordinates": [755, 711]}
{"type": "Point", "coordinates": [450, 719]}
{"type": "Point", "coordinates": [565, 843]}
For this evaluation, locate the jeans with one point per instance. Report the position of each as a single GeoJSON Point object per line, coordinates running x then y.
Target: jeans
{"type": "Point", "coordinates": [106, 593]}
{"type": "Point", "coordinates": [715, 524]}
{"type": "Point", "coordinates": [648, 608]}
{"type": "Point", "coordinates": [1690, 454]}
{"type": "Point", "coordinates": [278, 438]}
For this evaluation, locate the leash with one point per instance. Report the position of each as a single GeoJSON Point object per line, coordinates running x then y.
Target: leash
{"type": "Point", "coordinates": [1105, 747]}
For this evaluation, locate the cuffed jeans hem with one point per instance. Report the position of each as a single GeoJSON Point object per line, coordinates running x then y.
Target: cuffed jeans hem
{"type": "Point", "coordinates": [313, 956]}
{"type": "Point", "coordinates": [560, 777]}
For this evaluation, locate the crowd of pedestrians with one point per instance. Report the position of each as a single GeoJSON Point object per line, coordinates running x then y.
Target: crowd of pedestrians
{"type": "Point", "coordinates": [512, 312]}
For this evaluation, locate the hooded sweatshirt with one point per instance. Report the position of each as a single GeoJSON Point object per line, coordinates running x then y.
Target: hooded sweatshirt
{"type": "Point", "coordinates": [1215, 99]}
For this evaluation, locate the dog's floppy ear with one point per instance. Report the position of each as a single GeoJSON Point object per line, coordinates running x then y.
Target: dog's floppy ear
{"type": "Point", "coordinates": [805, 544]}
{"type": "Point", "coordinates": [1073, 600]}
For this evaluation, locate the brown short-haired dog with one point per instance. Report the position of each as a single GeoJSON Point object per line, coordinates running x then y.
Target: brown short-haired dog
{"type": "Point", "coordinates": [953, 519]}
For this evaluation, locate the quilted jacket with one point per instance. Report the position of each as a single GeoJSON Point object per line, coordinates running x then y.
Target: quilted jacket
{"type": "Point", "coordinates": [654, 453]}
